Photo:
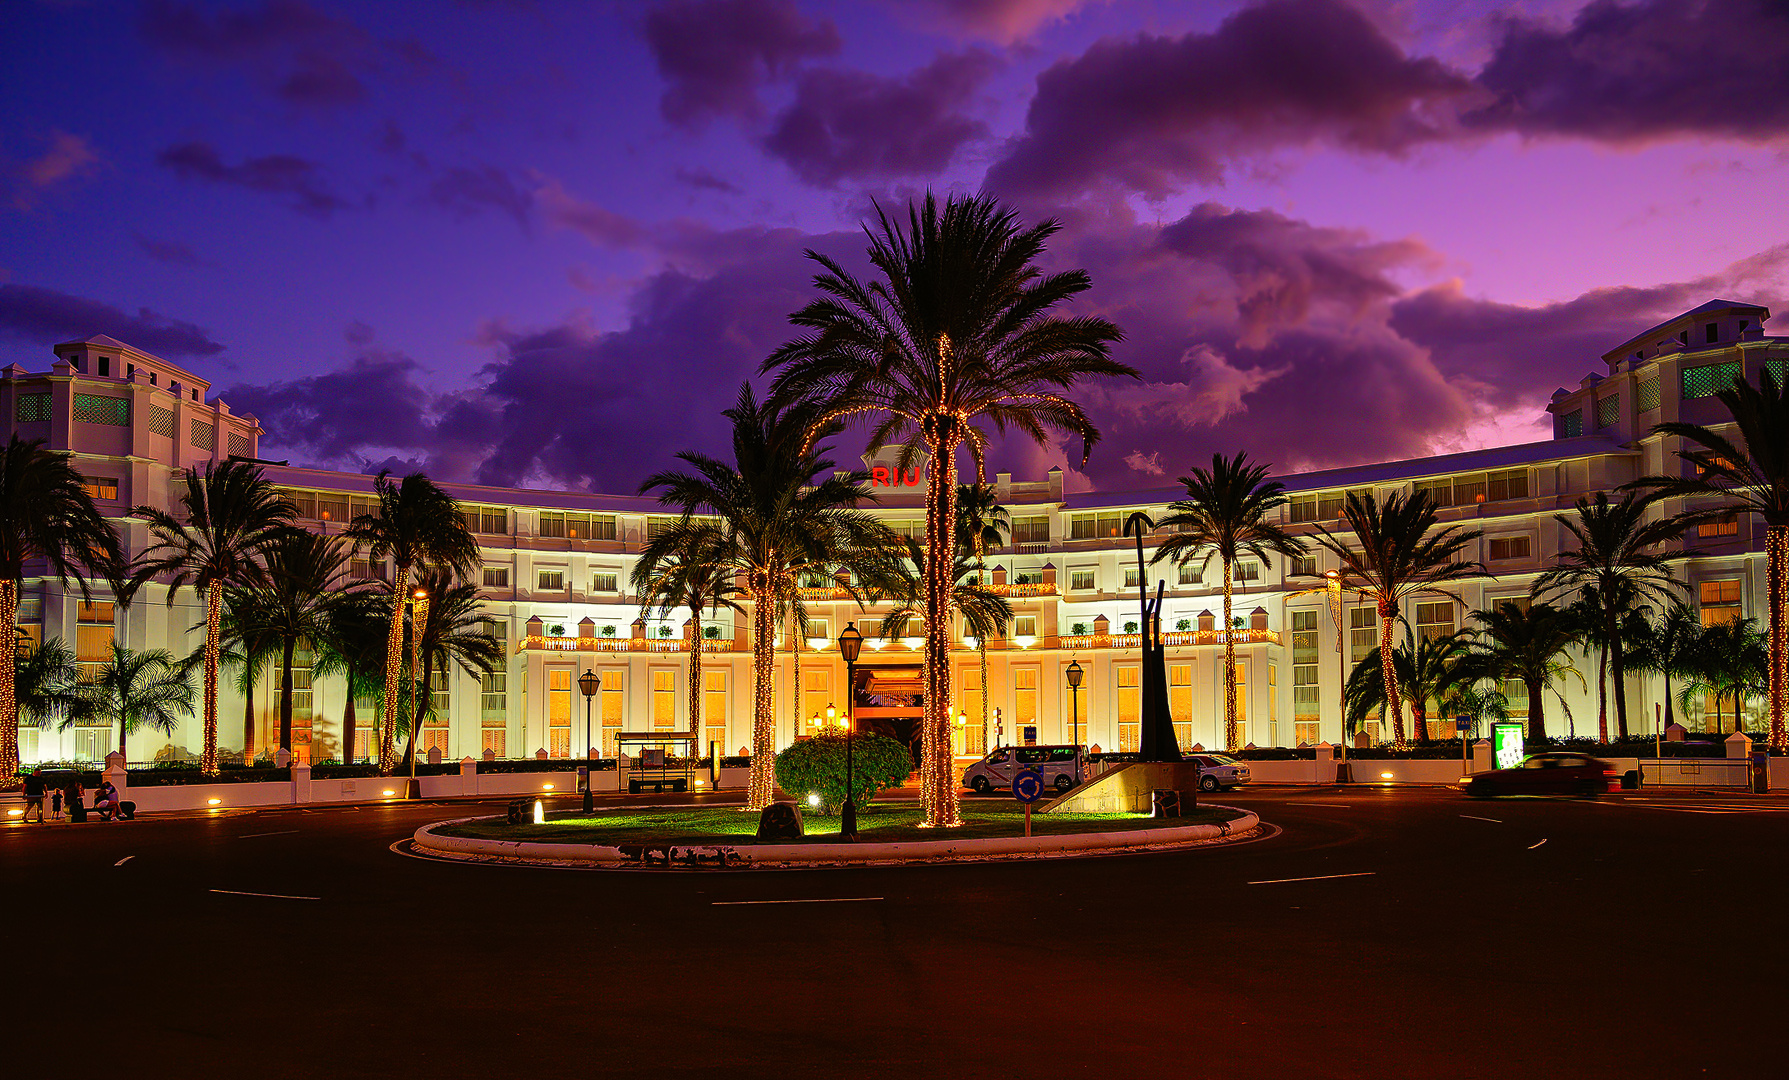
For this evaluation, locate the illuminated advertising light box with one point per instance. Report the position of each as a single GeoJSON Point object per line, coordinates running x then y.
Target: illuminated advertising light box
{"type": "Point", "coordinates": [1506, 745]}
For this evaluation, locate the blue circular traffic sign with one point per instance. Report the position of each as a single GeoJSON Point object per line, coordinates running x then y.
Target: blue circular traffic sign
{"type": "Point", "coordinates": [1028, 786]}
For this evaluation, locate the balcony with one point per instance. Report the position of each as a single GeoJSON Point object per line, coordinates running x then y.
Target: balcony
{"type": "Point", "coordinates": [547, 643]}
{"type": "Point", "coordinates": [1173, 639]}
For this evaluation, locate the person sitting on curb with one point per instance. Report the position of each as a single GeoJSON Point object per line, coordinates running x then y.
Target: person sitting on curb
{"type": "Point", "coordinates": [105, 801]}
{"type": "Point", "coordinates": [34, 795]}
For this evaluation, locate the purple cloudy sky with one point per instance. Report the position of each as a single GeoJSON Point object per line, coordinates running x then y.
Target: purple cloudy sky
{"type": "Point", "coordinates": [541, 243]}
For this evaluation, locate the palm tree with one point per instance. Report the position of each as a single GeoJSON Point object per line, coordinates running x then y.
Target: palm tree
{"type": "Point", "coordinates": [419, 527]}
{"type": "Point", "coordinates": [1750, 475]}
{"type": "Point", "coordinates": [1665, 646]}
{"type": "Point", "coordinates": [307, 577]}
{"type": "Point", "coordinates": [779, 511]}
{"type": "Point", "coordinates": [1429, 670]}
{"type": "Point", "coordinates": [1521, 644]}
{"type": "Point", "coordinates": [985, 612]}
{"type": "Point", "coordinates": [246, 647]}
{"type": "Point", "coordinates": [353, 646]}
{"type": "Point", "coordinates": [47, 682]}
{"type": "Point", "coordinates": [1226, 514]}
{"type": "Point", "coordinates": [1397, 559]}
{"type": "Point", "coordinates": [232, 514]}
{"type": "Point", "coordinates": [956, 334]}
{"type": "Point", "coordinates": [982, 523]}
{"type": "Point", "coordinates": [1728, 658]}
{"type": "Point", "coordinates": [452, 633]}
{"type": "Point", "coordinates": [695, 576]}
{"type": "Point", "coordinates": [1615, 565]}
{"type": "Point", "coordinates": [136, 690]}
{"type": "Point", "coordinates": [45, 514]}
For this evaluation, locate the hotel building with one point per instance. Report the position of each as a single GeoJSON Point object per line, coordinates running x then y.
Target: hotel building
{"type": "Point", "coordinates": [556, 570]}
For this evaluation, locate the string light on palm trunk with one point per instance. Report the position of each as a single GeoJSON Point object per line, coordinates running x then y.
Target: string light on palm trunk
{"type": "Point", "coordinates": [9, 703]}
{"type": "Point", "coordinates": [1776, 564]}
{"type": "Point", "coordinates": [214, 618]}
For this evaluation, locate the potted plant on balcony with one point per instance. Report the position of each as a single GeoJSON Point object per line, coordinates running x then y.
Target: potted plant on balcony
{"type": "Point", "coordinates": [1130, 626]}
{"type": "Point", "coordinates": [557, 630]}
{"type": "Point", "coordinates": [609, 630]}
{"type": "Point", "coordinates": [1184, 625]}
{"type": "Point", "coordinates": [1079, 629]}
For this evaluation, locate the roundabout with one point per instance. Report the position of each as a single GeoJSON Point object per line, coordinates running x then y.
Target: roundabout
{"type": "Point", "coordinates": [711, 838]}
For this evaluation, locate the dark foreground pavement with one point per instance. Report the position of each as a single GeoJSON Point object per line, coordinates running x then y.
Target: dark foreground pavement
{"type": "Point", "coordinates": [1638, 940]}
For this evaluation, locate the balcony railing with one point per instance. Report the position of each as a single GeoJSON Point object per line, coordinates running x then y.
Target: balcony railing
{"type": "Point", "coordinates": [1172, 639]}
{"type": "Point", "coordinates": [548, 643]}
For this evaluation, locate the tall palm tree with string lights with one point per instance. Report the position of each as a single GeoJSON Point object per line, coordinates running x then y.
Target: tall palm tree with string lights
{"type": "Point", "coordinates": [1748, 473]}
{"type": "Point", "coordinates": [45, 514]}
{"type": "Point", "coordinates": [982, 524]}
{"type": "Point", "coordinates": [1429, 670]}
{"type": "Point", "coordinates": [1227, 513]}
{"type": "Point", "coordinates": [1619, 564]}
{"type": "Point", "coordinates": [780, 511]}
{"type": "Point", "coordinates": [230, 513]}
{"type": "Point", "coordinates": [695, 576]}
{"type": "Point", "coordinates": [956, 335]}
{"type": "Point", "coordinates": [1397, 553]}
{"type": "Point", "coordinates": [420, 528]}
{"type": "Point", "coordinates": [985, 613]}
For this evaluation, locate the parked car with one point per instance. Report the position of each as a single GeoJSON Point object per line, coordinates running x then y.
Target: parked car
{"type": "Point", "coordinates": [1060, 766]}
{"type": "Point", "coordinates": [1219, 771]}
{"type": "Point", "coordinates": [1546, 774]}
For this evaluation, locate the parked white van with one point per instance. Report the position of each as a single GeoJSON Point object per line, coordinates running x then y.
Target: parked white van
{"type": "Point", "coordinates": [1060, 766]}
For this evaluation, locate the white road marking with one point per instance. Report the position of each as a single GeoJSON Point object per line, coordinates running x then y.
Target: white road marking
{"type": "Point", "coordinates": [251, 836]}
{"type": "Point", "coordinates": [1531, 847]}
{"type": "Point", "coordinates": [124, 860]}
{"type": "Point", "coordinates": [1319, 877]}
{"type": "Point", "coordinates": [1475, 817]}
{"type": "Point", "coordinates": [273, 895]}
{"type": "Point", "coordinates": [1337, 805]}
{"type": "Point", "coordinates": [825, 900]}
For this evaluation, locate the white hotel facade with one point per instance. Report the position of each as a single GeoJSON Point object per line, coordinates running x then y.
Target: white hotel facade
{"type": "Point", "coordinates": [556, 569]}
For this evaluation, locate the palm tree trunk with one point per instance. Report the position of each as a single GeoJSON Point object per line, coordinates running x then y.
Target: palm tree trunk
{"type": "Point", "coordinates": [394, 658]}
{"type": "Point", "coordinates": [348, 719]}
{"type": "Point", "coordinates": [937, 779]}
{"type": "Point", "coordinates": [1670, 715]}
{"type": "Point", "coordinates": [1616, 668]}
{"type": "Point", "coordinates": [794, 674]}
{"type": "Point", "coordinates": [1537, 713]}
{"type": "Point", "coordinates": [1389, 674]}
{"type": "Point", "coordinates": [1776, 552]}
{"type": "Point", "coordinates": [286, 652]}
{"type": "Point", "coordinates": [214, 623]}
{"type": "Point", "coordinates": [248, 707]}
{"type": "Point", "coordinates": [1229, 664]}
{"type": "Point", "coordinates": [425, 700]}
{"type": "Point", "coordinates": [761, 785]}
{"type": "Point", "coordinates": [9, 697]}
{"type": "Point", "coordinates": [981, 649]}
{"type": "Point", "coordinates": [695, 687]}
{"type": "Point", "coordinates": [1602, 695]}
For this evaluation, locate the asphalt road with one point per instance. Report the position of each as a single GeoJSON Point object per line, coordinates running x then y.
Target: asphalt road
{"type": "Point", "coordinates": [1559, 939]}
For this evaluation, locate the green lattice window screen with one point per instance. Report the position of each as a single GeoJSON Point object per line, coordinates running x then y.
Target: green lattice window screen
{"type": "Point", "coordinates": [1608, 410]}
{"type": "Point", "coordinates": [1574, 423]}
{"type": "Point", "coordinates": [1648, 397]}
{"type": "Point", "coordinates": [94, 409]}
{"type": "Point", "coordinates": [1779, 369]}
{"type": "Point", "coordinates": [161, 421]}
{"type": "Point", "coordinates": [33, 408]}
{"type": "Point", "coordinates": [239, 445]}
{"type": "Point", "coordinates": [204, 435]}
{"type": "Point", "coordinates": [1705, 381]}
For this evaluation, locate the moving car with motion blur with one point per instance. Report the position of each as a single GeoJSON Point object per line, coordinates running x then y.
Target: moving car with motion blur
{"type": "Point", "coordinates": [1219, 772]}
{"type": "Point", "coordinates": [1546, 774]}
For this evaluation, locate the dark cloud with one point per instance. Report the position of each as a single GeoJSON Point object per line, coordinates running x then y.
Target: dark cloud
{"type": "Point", "coordinates": [275, 174]}
{"type": "Point", "coordinates": [1625, 73]}
{"type": "Point", "coordinates": [852, 125]}
{"type": "Point", "coordinates": [704, 180]}
{"type": "Point", "coordinates": [304, 56]}
{"type": "Point", "coordinates": [42, 317]}
{"type": "Point", "coordinates": [1149, 113]}
{"type": "Point", "coordinates": [468, 191]}
{"type": "Point", "coordinates": [172, 252]}
{"type": "Point", "coordinates": [715, 55]}
{"type": "Point", "coordinates": [66, 158]}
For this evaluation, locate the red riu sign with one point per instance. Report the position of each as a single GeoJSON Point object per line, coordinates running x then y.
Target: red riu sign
{"type": "Point", "coordinates": [881, 476]}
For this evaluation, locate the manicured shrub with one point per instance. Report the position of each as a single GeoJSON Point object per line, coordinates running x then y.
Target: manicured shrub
{"type": "Point", "coordinates": [817, 767]}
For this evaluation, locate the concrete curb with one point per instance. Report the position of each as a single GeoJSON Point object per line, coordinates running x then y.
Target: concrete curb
{"type": "Point", "coordinates": [750, 855]}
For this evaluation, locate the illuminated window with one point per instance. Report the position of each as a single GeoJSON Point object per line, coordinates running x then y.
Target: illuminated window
{"type": "Point", "coordinates": [664, 699]}
{"type": "Point", "coordinates": [1095, 526]}
{"type": "Point", "coordinates": [493, 699]}
{"type": "Point", "coordinates": [1031, 530]}
{"type": "Point", "coordinates": [496, 577]}
{"type": "Point", "coordinates": [1247, 570]}
{"type": "Point", "coordinates": [1571, 424]}
{"type": "Point", "coordinates": [1725, 525]}
{"type": "Point", "coordinates": [1130, 710]}
{"type": "Point", "coordinates": [1303, 566]}
{"type": "Point", "coordinates": [1189, 574]}
{"type": "Point", "coordinates": [816, 695]}
{"type": "Point", "coordinates": [1434, 619]}
{"type": "Point", "coordinates": [1242, 705]}
{"type": "Point", "coordinates": [1647, 396]}
{"type": "Point", "coordinates": [659, 524]}
{"type": "Point", "coordinates": [550, 580]}
{"type": "Point", "coordinates": [1303, 508]}
{"type": "Point", "coordinates": [1180, 702]}
{"type": "Point", "coordinates": [1509, 547]}
{"type": "Point", "coordinates": [559, 712]}
{"type": "Point", "coordinates": [714, 710]}
{"type": "Point", "coordinates": [99, 487]}
{"type": "Point", "coordinates": [95, 630]}
{"type": "Point", "coordinates": [1132, 576]}
{"type": "Point", "coordinates": [603, 581]}
{"type": "Point", "coordinates": [1306, 703]}
{"type": "Point", "coordinates": [1080, 580]}
{"type": "Point", "coordinates": [610, 707]}
{"type": "Point", "coordinates": [1024, 698]}
{"type": "Point", "coordinates": [968, 688]}
{"type": "Point", "coordinates": [1363, 633]}
{"type": "Point", "coordinates": [1709, 379]}
{"type": "Point", "coordinates": [1720, 601]}
{"type": "Point", "coordinates": [485, 520]}
{"type": "Point", "coordinates": [1025, 626]}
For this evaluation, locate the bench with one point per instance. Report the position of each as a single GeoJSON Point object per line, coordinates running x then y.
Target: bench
{"type": "Point", "coordinates": [77, 812]}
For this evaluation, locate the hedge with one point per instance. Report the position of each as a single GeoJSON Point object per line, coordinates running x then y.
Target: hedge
{"type": "Point", "coordinates": [817, 766]}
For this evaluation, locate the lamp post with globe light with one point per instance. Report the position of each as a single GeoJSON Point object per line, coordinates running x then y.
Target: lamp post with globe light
{"type": "Point", "coordinates": [850, 643]}
{"type": "Point", "coordinates": [1073, 675]}
{"type": "Point", "coordinates": [588, 684]}
{"type": "Point", "coordinates": [419, 620]}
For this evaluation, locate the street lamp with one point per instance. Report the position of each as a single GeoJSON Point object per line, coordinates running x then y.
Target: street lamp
{"type": "Point", "coordinates": [1073, 675]}
{"type": "Point", "coordinates": [588, 683]}
{"type": "Point", "coordinates": [1332, 584]}
{"type": "Point", "coordinates": [850, 642]}
{"type": "Point", "coordinates": [419, 618]}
